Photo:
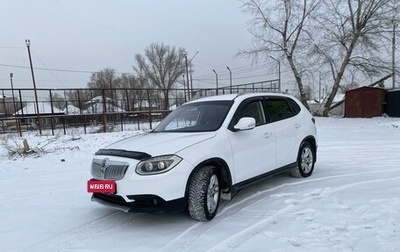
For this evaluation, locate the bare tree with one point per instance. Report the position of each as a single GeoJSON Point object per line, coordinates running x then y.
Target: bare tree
{"type": "Point", "coordinates": [339, 40]}
{"type": "Point", "coordinates": [352, 39]}
{"type": "Point", "coordinates": [57, 100]}
{"type": "Point", "coordinates": [133, 91]}
{"type": "Point", "coordinates": [105, 79]}
{"type": "Point", "coordinates": [162, 65]}
{"type": "Point", "coordinates": [279, 26]}
{"type": "Point", "coordinates": [78, 97]}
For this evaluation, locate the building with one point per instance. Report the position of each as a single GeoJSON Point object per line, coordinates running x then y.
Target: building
{"type": "Point", "coordinates": [393, 103]}
{"type": "Point", "coordinates": [365, 102]}
{"type": "Point", "coordinates": [28, 114]}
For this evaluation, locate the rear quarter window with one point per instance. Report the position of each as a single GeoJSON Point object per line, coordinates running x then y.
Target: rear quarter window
{"type": "Point", "coordinates": [295, 107]}
{"type": "Point", "coordinates": [277, 109]}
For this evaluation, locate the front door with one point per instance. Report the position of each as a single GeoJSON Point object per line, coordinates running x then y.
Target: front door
{"type": "Point", "coordinates": [254, 150]}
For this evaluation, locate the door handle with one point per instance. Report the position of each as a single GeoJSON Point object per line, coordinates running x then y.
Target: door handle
{"type": "Point", "coordinates": [267, 135]}
{"type": "Point", "coordinates": [297, 125]}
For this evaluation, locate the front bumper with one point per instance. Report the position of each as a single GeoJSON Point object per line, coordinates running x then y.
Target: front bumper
{"type": "Point", "coordinates": [164, 192]}
{"type": "Point", "coordinates": [141, 203]}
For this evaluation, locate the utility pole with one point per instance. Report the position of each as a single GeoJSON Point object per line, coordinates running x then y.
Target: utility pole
{"type": "Point", "coordinates": [230, 78]}
{"type": "Point", "coordinates": [187, 77]}
{"type": "Point", "coordinates": [216, 80]}
{"type": "Point", "coordinates": [394, 54]}
{"type": "Point", "coordinates": [28, 44]}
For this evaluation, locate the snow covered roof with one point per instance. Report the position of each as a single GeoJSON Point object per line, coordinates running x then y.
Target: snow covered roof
{"type": "Point", "coordinates": [98, 99]}
{"type": "Point", "coordinates": [98, 108]}
{"type": "Point", "coordinates": [71, 110]}
{"type": "Point", "coordinates": [144, 104]}
{"type": "Point", "coordinates": [44, 108]}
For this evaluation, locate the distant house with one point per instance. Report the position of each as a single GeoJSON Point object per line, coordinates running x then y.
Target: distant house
{"type": "Point", "coordinates": [44, 109]}
{"type": "Point", "coordinates": [145, 105]}
{"type": "Point", "coordinates": [96, 106]}
{"type": "Point", "coordinates": [8, 106]}
{"type": "Point", "coordinates": [71, 110]}
{"type": "Point", "coordinates": [30, 110]}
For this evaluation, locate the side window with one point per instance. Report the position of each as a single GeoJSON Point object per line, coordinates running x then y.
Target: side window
{"type": "Point", "coordinates": [277, 109]}
{"type": "Point", "coordinates": [251, 109]}
{"type": "Point", "coordinates": [295, 107]}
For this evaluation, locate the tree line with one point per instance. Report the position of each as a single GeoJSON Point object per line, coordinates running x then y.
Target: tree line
{"type": "Point", "coordinates": [334, 41]}
{"type": "Point", "coordinates": [159, 67]}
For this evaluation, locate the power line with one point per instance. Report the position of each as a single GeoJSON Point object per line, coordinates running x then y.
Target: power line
{"type": "Point", "coordinates": [52, 73]}
{"type": "Point", "coordinates": [58, 70]}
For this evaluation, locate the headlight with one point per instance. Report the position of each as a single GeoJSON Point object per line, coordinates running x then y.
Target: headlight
{"type": "Point", "coordinates": [157, 165]}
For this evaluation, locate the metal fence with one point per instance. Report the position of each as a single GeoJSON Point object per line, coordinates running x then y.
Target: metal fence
{"type": "Point", "coordinates": [99, 110]}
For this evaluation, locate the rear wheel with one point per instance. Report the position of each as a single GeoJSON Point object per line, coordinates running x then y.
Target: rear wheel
{"type": "Point", "coordinates": [305, 161]}
{"type": "Point", "coordinates": [204, 194]}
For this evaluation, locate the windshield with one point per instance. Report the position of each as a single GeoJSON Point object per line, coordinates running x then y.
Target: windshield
{"type": "Point", "coordinates": [196, 117]}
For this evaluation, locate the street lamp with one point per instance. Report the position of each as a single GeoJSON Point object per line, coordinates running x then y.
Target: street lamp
{"type": "Point", "coordinates": [279, 72]}
{"type": "Point", "coordinates": [187, 63]}
{"type": "Point", "coordinates": [28, 44]}
{"type": "Point", "coordinates": [230, 78]}
{"type": "Point", "coordinates": [216, 80]}
{"type": "Point", "coordinates": [15, 107]}
{"type": "Point", "coordinates": [187, 76]}
{"type": "Point", "coordinates": [12, 91]}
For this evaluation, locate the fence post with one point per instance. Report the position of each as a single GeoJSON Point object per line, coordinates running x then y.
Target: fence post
{"type": "Point", "coordinates": [52, 112]}
{"type": "Point", "coordinates": [150, 116]}
{"type": "Point", "coordinates": [104, 112]}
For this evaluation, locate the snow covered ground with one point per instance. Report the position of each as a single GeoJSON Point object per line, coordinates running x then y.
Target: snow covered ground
{"type": "Point", "coordinates": [351, 203]}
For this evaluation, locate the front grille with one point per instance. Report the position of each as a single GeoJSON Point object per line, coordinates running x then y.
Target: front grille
{"type": "Point", "coordinates": [108, 169]}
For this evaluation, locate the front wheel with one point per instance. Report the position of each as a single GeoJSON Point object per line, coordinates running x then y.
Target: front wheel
{"type": "Point", "coordinates": [204, 194]}
{"type": "Point", "coordinates": [305, 161]}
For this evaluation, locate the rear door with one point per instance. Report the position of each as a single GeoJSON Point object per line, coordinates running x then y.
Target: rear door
{"type": "Point", "coordinates": [281, 115]}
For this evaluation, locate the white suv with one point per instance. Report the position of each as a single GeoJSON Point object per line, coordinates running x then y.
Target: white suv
{"type": "Point", "coordinates": [205, 149]}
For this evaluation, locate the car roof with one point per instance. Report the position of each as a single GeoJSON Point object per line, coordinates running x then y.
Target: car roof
{"type": "Point", "coordinates": [239, 97]}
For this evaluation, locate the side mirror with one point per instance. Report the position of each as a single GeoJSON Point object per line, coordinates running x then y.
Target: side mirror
{"type": "Point", "coordinates": [245, 123]}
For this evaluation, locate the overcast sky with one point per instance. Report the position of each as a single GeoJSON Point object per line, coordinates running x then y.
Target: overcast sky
{"type": "Point", "coordinates": [90, 35]}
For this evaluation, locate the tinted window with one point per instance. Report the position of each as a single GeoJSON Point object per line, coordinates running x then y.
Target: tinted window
{"type": "Point", "coordinates": [251, 109]}
{"type": "Point", "coordinates": [196, 117]}
{"type": "Point", "coordinates": [277, 109]}
{"type": "Point", "coordinates": [295, 107]}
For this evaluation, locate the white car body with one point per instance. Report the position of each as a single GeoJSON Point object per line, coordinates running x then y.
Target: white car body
{"type": "Point", "coordinates": [239, 157]}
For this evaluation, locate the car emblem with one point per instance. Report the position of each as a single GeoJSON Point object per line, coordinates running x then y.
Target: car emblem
{"type": "Point", "coordinates": [103, 166]}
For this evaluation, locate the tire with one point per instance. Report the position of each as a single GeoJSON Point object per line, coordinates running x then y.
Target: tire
{"type": "Point", "coordinates": [305, 161]}
{"type": "Point", "coordinates": [204, 194]}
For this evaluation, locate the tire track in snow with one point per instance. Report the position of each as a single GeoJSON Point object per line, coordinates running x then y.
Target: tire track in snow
{"type": "Point", "coordinates": [238, 239]}
{"type": "Point", "coordinates": [99, 226]}
{"type": "Point", "coordinates": [189, 236]}
{"type": "Point", "coordinates": [183, 241]}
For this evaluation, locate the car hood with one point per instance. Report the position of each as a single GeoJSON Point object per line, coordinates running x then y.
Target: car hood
{"type": "Point", "coordinates": [156, 144]}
